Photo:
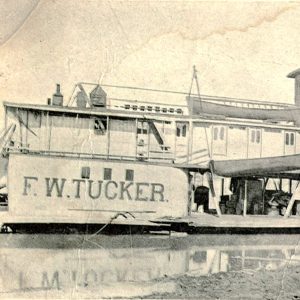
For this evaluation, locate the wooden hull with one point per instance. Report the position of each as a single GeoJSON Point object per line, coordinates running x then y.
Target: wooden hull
{"type": "Point", "coordinates": [58, 190]}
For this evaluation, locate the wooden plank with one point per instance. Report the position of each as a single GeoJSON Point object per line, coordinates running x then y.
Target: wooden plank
{"type": "Point", "coordinates": [235, 221]}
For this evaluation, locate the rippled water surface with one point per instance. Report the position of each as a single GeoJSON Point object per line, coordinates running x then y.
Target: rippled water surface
{"type": "Point", "coordinates": [80, 266]}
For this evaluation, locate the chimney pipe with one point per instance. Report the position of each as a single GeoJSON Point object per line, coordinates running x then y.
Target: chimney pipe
{"type": "Point", "coordinates": [57, 98]}
{"type": "Point", "coordinates": [296, 75]}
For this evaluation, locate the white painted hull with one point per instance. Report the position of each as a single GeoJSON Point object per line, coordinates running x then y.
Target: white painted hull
{"type": "Point", "coordinates": [51, 190]}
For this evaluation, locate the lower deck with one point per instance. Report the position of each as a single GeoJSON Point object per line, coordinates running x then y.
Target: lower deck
{"type": "Point", "coordinates": [210, 223]}
{"type": "Point", "coordinates": [195, 223]}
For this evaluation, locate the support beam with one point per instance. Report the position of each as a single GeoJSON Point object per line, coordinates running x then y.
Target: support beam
{"type": "Point", "coordinates": [296, 196]}
{"type": "Point", "coordinates": [211, 186]}
{"type": "Point", "coordinates": [245, 198]}
{"type": "Point", "coordinates": [264, 193]}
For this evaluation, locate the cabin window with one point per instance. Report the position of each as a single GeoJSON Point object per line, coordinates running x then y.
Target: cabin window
{"type": "Point", "coordinates": [222, 133]}
{"type": "Point", "coordinates": [290, 138]}
{"type": "Point", "coordinates": [100, 126]}
{"type": "Point", "coordinates": [252, 136]}
{"type": "Point", "coordinates": [219, 133]}
{"type": "Point", "coordinates": [142, 127]}
{"type": "Point", "coordinates": [129, 175]}
{"type": "Point", "coordinates": [255, 136]}
{"type": "Point", "coordinates": [171, 110]}
{"type": "Point", "coordinates": [127, 106]}
{"type": "Point", "coordinates": [184, 130]}
{"type": "Point", "coordinates": [107, 174]}
{"type": "Point", "coordinates": [85, 172]}
{"type": "Point", "coordinates": [181, 130]}
{"type": "Point", "coordinates": [216, 130]}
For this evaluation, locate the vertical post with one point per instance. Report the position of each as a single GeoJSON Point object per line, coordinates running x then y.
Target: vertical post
{"type": "Point", "coordinates": [292, 201]}
{"type": "Point", "coordinates": [222, 187]}
{"type": "Point", "coordinates": [49, 124]}
{"type": "Point", "coordinates": [26, 132]}
{"type": "Point", "coordinates": [264, 193]}
{"type": "Point", "coordinates": [190, 193]}
{"type": "Point", "coordinates": [261, 142]}
{"type": "Point", "coordinates": [187, 138]}
{"type": "Point", "coordinates": [190, 142]}
{"type": "Point", "coordinates": [280, 184]}
{"type": "Point", "coordinates": [247, 142]}
{"type": "Point", "coordinates": [148, 142]}
{"type": "Point", "coordinates": [175, 140]}
{"type": "Point", "coordinates": [245, 198]}
{"type": "Point", "coordinates": [290, 186]}
{"type": "Point", "coordinates": [108, 135]}
{"type": "Point", "coordinates": [211, 185]}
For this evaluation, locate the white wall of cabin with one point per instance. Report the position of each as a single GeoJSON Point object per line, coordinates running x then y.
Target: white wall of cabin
{"type": "Point", "coordinates": [237, 150]}
{"type": "Point", "coordinates": [272, 142]}
{"type": "Point", "coordinates": [201, 141]}
{"type": "Point", "coordinates": [122, 137]}
{"type": "Point", "coordinates": [72, 133]}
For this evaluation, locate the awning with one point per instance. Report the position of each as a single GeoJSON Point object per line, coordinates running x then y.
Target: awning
{"type": "Point", "coordinates": [279, 166]}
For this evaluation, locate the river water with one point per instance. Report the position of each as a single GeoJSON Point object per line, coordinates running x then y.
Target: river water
{"type": "Point", "coordinates": [102, 266]}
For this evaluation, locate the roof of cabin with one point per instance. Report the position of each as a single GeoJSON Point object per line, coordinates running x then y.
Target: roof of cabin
{"type": "Point", "coordinates": [203, 117]}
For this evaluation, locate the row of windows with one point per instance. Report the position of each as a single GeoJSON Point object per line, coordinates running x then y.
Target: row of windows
{"type": "Point", "coordinates": [154, 108]}
{"type": "Point", "coordinates": [255, 136]}
{"type": "Point", "coordinates": [107, 174]}
{"type": "Point", "coordinates": [100, 127]}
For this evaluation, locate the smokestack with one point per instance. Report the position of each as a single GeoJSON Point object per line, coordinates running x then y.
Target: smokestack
{"type": "Point", "coordinates": [57, 98]}
{"type": "Point", "coordinates": [296, 75]}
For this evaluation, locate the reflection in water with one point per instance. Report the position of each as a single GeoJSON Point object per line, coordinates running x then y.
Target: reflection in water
{"type": "Point", "coordinates": [107, 266]}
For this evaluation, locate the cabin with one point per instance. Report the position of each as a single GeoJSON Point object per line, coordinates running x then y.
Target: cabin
{"type": "Point", "coordinates": [131, 129]}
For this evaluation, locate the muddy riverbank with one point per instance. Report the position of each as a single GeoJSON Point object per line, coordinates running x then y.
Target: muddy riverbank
{"type": "Point", "coordinates": [246, 284]}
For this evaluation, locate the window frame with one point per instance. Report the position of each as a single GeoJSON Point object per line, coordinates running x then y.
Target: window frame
{"type": "Point", "coordinates": [100, 130]}
{"type": "Point", "coordinates": [107, 173]}
{"type": "Point", "coordinates": [129, 175]}
{"type": "Point", "coordinates": [85, 172]}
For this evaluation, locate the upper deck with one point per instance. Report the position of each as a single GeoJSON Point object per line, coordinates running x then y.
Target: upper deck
{"type": "Point", "coordinates": [98, 121]}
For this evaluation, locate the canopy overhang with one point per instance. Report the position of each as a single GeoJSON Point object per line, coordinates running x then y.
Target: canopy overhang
{"type": "Point", "coordinates": [279, 166]}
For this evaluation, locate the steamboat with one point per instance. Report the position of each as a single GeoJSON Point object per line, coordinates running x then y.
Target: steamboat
{"type": "Point", "coordinates": [105, 159]}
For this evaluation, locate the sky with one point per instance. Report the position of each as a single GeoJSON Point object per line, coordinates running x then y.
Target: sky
{"type": "Point", "coordinates": [240, 49]}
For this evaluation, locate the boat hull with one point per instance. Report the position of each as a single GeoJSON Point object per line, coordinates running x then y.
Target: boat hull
{"type": "Point", "coordinates": [44, 189]}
